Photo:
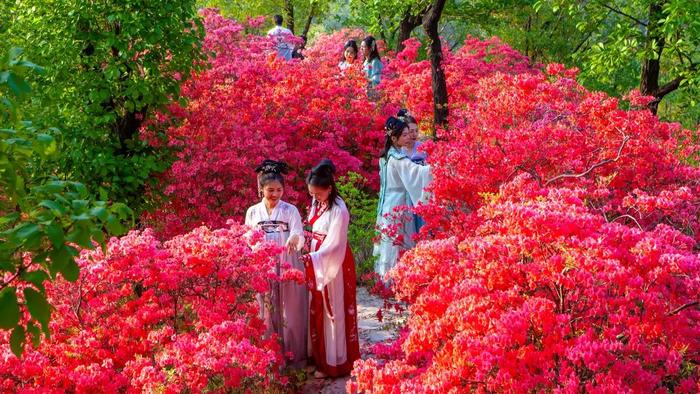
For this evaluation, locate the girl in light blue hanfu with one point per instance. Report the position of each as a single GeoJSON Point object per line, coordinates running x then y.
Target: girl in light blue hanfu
{"type": "Point", "coordinates": [411, 150]}
{"type": "Point", "coordinates": [402, 184]}
{"type": "Point", "coordinates": [372, 66]}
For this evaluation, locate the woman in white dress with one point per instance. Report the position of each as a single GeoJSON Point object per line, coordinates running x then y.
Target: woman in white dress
{"type": "Point", "coordinates": [330, 274]}
{"type": "Point", "coordinates": [402, 184]}
{"type": "Point", "coordinates": [285, 309]}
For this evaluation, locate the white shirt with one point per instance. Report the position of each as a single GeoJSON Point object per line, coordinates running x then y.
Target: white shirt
{"type": "Point", "coordinates": [281, 35]}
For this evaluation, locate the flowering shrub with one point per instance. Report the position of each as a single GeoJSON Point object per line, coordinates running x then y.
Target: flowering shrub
{"type": "Point", "coordinates": [560, 251]}
{"type": "Point", "coordinates": [157, 317]}
{"type": "Point", "coordinates": [544, 295]}
{"type": "Point", "coordinates": [249, 106]}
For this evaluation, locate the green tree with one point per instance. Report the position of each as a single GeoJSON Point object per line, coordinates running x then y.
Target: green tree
{"type": "Point", "coordinates": [655, 43]}
{"type": "Point", "coordinates": [41, 217]}
{"type": "Point", "coordinates": [110, 65]}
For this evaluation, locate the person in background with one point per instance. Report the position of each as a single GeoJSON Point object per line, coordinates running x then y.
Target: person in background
{"type": "Point", "coordinates": [411, 150]}
{"type": "Point", "coordinates": [372, 63]}
{"type": "Point", "coordinates": [349, 55]}
{"type": "Point", "coordinates": [281, 36]}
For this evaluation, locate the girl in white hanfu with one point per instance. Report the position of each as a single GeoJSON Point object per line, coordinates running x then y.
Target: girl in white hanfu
{"type": "Point", "coordinates": [330, 273]}
{"type": "Point", "coordinates": [402, 184]}
{"type": "Point", "coordinates": [285, 310]}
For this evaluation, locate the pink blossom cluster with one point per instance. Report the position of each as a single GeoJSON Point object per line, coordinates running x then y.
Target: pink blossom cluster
{"type": "Point", "coordinates": [250, 105]}
{"type": "Point", "coordinates": [560, 252]}
{"type": "Point", "coordinates": [157, 317]}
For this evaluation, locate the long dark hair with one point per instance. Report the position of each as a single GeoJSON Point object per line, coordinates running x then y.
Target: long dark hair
{"type": "Point", "coordinates": [350, 44]}
{"type": "Point", "coordinates": [406, 116]}
{"type": "Point", "coordinates": [371, 43]}
{"type": "Point", "coordinates": [322, 176]}
{"type": "Point", "coordinates": [393, 127]}
{"type": "Point", "coordinates": [271, 171]}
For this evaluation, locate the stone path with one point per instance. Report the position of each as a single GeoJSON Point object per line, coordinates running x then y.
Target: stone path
{"type": "Point", "coordinates": [371, 331]}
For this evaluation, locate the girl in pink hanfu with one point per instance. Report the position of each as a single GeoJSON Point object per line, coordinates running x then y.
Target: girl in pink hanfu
{"type": "Point", "coordinates": [330, 273]}
{"type": "Point", "coordinates": [286, 309]}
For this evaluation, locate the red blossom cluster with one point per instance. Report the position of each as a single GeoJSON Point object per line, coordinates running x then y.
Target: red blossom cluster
{"type": "Point", "coordinates": [249, 106]}
{"type": "Point", "coordinates": [560, 251]}
{"type": "Point", "coordinates": [157, 317]}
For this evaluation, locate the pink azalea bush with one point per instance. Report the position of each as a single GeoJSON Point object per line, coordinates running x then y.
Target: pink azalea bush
{"type": "Point", "coordinates": [249, 106]}
{"type": "Point", "coordinates": [560, 252]}
{"type": "Point", "coordinates": [157, 316]}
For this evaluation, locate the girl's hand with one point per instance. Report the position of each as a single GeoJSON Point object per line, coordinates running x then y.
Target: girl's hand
{"type": "Point", "coordinates": [292, 243]}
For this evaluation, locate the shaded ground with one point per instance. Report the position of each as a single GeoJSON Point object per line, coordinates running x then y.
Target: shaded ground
{"type": "Point", "coordinates": [371, 331]}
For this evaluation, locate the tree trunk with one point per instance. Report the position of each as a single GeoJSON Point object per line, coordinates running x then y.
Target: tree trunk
{"type": "Point", "coordinates": [651, 67]}
{"type": "Point", "coordinates": [307, 25]}
{"type": "Point", "coordinates": [408, 24]}
{"type": "Point", "coordinates": [289, 14]}
{"type": "Point", "coordinates": [127, 128]}
{"type": "Point", "coordinates": [430, 24]}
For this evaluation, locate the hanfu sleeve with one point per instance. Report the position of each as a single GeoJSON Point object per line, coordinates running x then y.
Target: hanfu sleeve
{"type": "Point", "coordinates": [415, 178]}
{"type": "Point", "coordinates": [296, 227]}
{"type": "Point", "coordinates": [375, 72]}
{"type": "Point", "coordinates": [249, 217]}
{"type": "Point", "coordinates": [328, 259]}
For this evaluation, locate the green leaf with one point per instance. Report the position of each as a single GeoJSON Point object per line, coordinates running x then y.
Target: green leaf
{"type": "Point", "coordinates": [100, 212]}
{"type": "Point", "coordinates": [71, 271]}
{"type": "Point", "coordinates": [14, 54]}
{"type": "Point", "coordinates": [52, 187]}
{"type": "Point", "coordinates": [9, 310]}
{"type": "Point", "coordinates": [28, 234]}
{"type": "Point", "coordinates": [36, 278]}
{"type": "Point", "coordinates": [80, 188]}
{"type": "Point", "coordinates": [98, 236]}
{"type": "Point", "coordinates": [36, 334]}
{"type": "Point", "coordinates": [79, 205]}
{"type": "Point", "coordinates": [38, 307]}
{"type": "Point", "coordinates": [26, 230]}
{"type": "Point", "coordinates": [31, 66]}
{"type": "Point", "coordinates": [17, 341]}
{"type": "Point", "coordinates": [111, 72]}
{"type": "Point", "coordinates": [81, 236]}
{"type": "Point", "coordinates": [114, 226]}
{"type": "Point", "coordinates": [59, 259]}
{"type": "Point", "coordinates": [17, 85]}
{"type": "Point", "coordinates": [81, 218]}
{"type": "Point", "coordinates": [9, 218]}
{"type": "Point", "coordinates": [55, 233]}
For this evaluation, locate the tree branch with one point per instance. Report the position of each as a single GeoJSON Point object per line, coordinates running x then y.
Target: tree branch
{"type": "Point", "coordinates": [628, 217]}
{"type": "Point", "coordinates": [624, 14]}
{"type": "Point", "coordinates": [530, 171]}
{"type": "Point", "coordinates": [593, 167]}
{"type": "Point", "coordinates": [682, 307]}
{"type": "Point", "coordinates": [21, 268]}
{"type": "Point", "coordinates": [668, 88]}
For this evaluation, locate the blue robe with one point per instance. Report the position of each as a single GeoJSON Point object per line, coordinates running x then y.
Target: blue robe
{"type": "Point", "coordinates": [402, 183]}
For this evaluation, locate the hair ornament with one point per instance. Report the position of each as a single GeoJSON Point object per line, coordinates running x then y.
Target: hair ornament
{"type": "Point", "coordinates": [272, 167]}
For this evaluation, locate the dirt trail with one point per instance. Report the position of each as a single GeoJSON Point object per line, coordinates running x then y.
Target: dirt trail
{"type": "Point", "coordinates": [371, 331]}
